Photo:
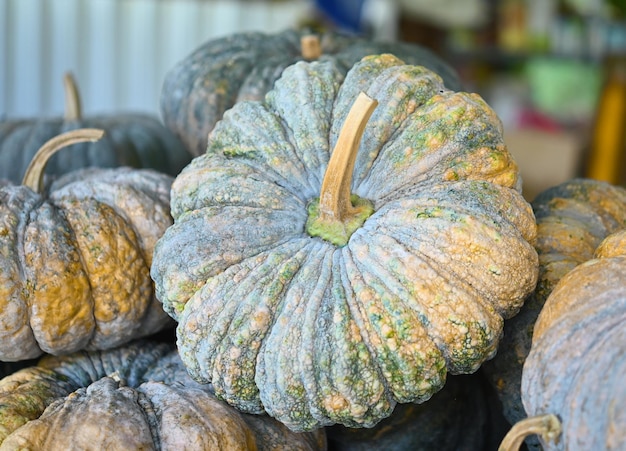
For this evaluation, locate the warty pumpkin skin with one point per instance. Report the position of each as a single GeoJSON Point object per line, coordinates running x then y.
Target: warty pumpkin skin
{"type": "Point", "coordinates": [463, 415]}
{"type": "Point", "coordinates": [572, 219]}
{"type": "Point", "coordinates": [75, 259]}
{"type": "Point", "coordinates": [576, 364]}
{"type": "Point", "coordinates": [138, 396]}
{"type": "Point", "coordinates": [244, 66]}
{"type": "Point", "coordinates": [135, 140]}
{"type": "Point", "coordinates": [318, 333]}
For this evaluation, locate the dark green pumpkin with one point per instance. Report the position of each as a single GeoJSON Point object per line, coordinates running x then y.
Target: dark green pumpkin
{"type": "Point", "coordinates": [244, 66]}
{"type": "Point", "coordinates": [136, 140]}
{"type": "Point", "coordinates": [135, 397]}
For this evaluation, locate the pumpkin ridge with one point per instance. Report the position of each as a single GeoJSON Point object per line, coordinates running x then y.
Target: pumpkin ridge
{"type": "Point", "coordinates": [231, 378]}
{"type": "Point", "coordinates": [242, 113]}
{"type": "Point", "coordinates": [455, 361]}
{"type": "Point", "coordinates": [269, 364]}
{"type": "Point", "coordinates": [420, 363]}
{"type": "Point", "coordinates": [242, 281]}
{"type": "Point", "coordinates": [55, 280]}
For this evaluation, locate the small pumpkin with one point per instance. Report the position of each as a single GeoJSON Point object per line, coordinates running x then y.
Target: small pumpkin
{"type": "Point", "coordinates": [244, 66]}
{"type": "Point", "coordinates": [75, 258]}
{"type": "Point", "coordinates": [464, 415]}
{"type": "Point", "coordinates": [574, 372]}
{"type": "Point", "coordinates": [572, 219]}
{"type": "Point", "coordinates": [132, 139]}
{"type": "Point", "coordinates": [325, 285]}
{"type": "Point", "coordinates": [134, 397]}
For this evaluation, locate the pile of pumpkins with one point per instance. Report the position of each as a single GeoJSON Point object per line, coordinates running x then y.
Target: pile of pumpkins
{"type": "Point", "coordinates": [325, 247]}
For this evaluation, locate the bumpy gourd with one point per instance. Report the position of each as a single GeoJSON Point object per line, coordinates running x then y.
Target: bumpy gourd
{"type": "Point", "coordinates": [574, 372]}
{"type": "Point", "coordinates": [132, 139]}
{"type": "Point", "coordinates": [75, 258]}
{"type": "Point", "coordinates": [134, 397]}
{"type": "Point", "coordinates": [572, 219]}
{"type": "Point", "coordinates": [413, 282]}
{"type": "Point", "coordinates": [244, 66]}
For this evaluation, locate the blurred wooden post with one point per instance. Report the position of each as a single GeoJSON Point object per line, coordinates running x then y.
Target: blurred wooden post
{"type": "Point", "coordinates": [606, 156]}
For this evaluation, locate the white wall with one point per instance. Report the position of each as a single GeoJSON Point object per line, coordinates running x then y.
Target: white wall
{"type": "Point", "coordinates": [118, 50]}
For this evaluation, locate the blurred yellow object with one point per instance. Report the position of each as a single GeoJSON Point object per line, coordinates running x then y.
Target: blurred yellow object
{"type": "Point", "coordinates": [606, 157]}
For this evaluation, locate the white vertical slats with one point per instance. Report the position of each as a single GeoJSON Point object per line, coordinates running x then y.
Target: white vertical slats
{"type": "Point", "coordinates": [63, 44]}
{"type": "Point", "coordinates": [118, 50]}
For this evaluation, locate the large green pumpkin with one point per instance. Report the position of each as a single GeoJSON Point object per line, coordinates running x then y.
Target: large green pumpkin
{"type": "Point", "coordinates": [244, 66]}
{"type": "Point", "coordinates": [574, 372]}
{"type": "Point", "coordinates": [75, 257]}
{"type": "Point", "coordinates": [572, 219]}
{"type": "Point", "coordinates": [136, 140]}
{"type": "Point", "coordinates": [136, 397]}
{"type": "Point", "coordinates": [325, 298]}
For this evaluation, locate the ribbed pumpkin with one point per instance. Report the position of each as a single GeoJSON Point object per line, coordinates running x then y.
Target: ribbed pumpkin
{"type": "Point", "coordinates": [137, 397]}
{"type": "Point", "coordinates": [244, 66]}
{"type": "Point", "coordinates": [577, 362]}
{"type": "Point", "coordinates": [572, 219]}
{"type": "Point", "coordinates": [74, 260]}
{"type": "Point", "coordinates": [327, 289]}
{"type": "Point", "coordinates": [464, 415]}
{"type": "Point", "coordinates": [132, 139]}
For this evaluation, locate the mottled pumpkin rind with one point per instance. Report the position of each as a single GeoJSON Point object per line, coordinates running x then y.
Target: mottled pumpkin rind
{"type": "Point", "coordinates": [577, 360]}
{"type": "Point", "coordinates": [199, 88]}
{"type": "Point", "coordinates": [572, 220]}
{"type": "Point", "coordinates": [75, 262]}
{"type": "Point", "coordinates": [317, 334]}
{"type": "Point", "coordinates": [134, 397]}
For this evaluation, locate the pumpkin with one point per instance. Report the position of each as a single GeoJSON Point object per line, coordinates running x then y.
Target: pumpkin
{"type": "Point", "coordinates": [137, 396]}
{"type": "Point", "coordinates": [244, 66]}
{"type": "Point", "coordinates": [75, 259]}
{"type": "Point", "coordinates": [575, 369]}
{"type": "Point", "coordinates": [572, 219]}
{"type": "Point", "coordinates": [325, 287]}
{"type": "Point", "coordinates": [133, 139]}
{"type": "Point", "coordinates": [463, 415]}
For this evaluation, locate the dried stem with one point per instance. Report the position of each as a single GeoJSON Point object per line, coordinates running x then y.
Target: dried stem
{"type": "Point", "coordinates": [548, 427]}
{"type": "Point", "coordinates": [73, 109]}
{"type": "Point", "coordinates": [33, 178]}
{"type": "Point", "coordinates": [310, 47]}
{"type": "Point", "coordinates": [335, 193]}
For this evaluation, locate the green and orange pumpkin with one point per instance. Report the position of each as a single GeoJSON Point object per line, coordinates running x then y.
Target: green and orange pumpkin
{"type": "Point", "coordinates": [75, 256]}
{"type": "Point", "coordinates": [345, 244]}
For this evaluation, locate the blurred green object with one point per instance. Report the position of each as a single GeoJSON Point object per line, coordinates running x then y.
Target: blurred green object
{"type": "Point", "coordinates": [565, 89]}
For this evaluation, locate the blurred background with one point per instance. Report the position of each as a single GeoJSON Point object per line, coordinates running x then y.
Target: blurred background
{"type": "Point", "coordinates": [553, 70]}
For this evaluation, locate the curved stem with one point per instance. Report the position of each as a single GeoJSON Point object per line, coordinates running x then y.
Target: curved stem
{"type": "Point", "coordinates": [335, 201]}
{"type": "Point", "coordinates": [310, 47]}
{"type": "Point", "coordinates": [548, 427]}
{"type": "Point", "coordinates": [33, 177]}
{"type": "Point", "coordinates": [73, 110]}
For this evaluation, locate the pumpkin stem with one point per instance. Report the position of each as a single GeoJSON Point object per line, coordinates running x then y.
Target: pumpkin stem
{"type": "Point", "coordinates": [338, 213]}
{"type": "Point", "coordinates": [33, 177]}
{"type": "Point", "coordinates": [310, 47]}
{"type": "Point", "coordinates": [548, 427]}
{"type": "Point", "coordinates": [73, 110]}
